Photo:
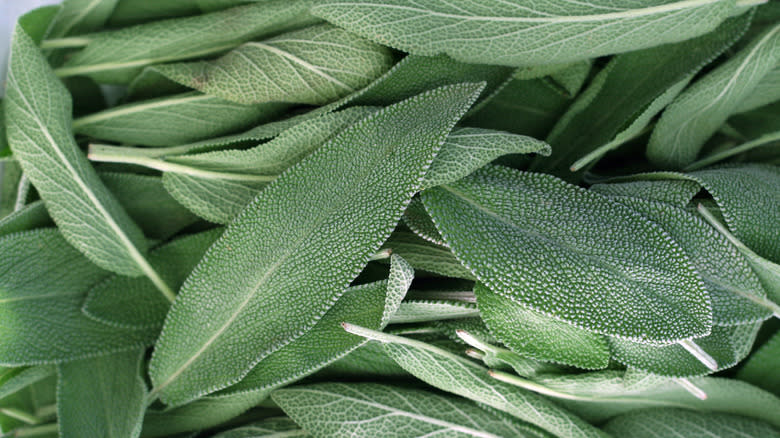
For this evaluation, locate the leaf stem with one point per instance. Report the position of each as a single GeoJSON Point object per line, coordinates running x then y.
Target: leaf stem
{"type": "Point", "coordinates": [20, 415]}
{"type": "Point", "coordinates": [100, 153]}
{"type": "Point", "coordinates": [533, 386]}
{"type": "Point", "coordinates": [714, 158]}
{"type": "Point", "coordinates": [690, 387]}
{"type": "Point", "coordinates": [465, 296]}
{"type": "Point", "coordinates": [696, 351]}
{"type": "Point", "coordinates": [45, 429]}
{"type": "Point", "coordinates": [382, 254]}
{"type": "Point", "coordinates": [65, 43]}
{"type": "Point", "coordinates": [156, 279]}
{"type": "Point", "coordinates": [21, 192]}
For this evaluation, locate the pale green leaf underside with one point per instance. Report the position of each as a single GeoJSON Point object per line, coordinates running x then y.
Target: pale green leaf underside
{"type": "Point", "coordinates": [316, 65]}
{"type": "Point", "coordinates": [659, 423]}
{"type": "Point", "coordinates": [80, 16]}
{"type": "Point", "coordinates": [412, 311]}
{"type": "Point", "coordinates": [38, 121]}
{"type": "Point", "coordinates": [517, 33]}
{"type": "Point", "coordinates": [370, 409]}
{"type": "Point", "coordinates": [701, 109]}
{"type": "Point", "coordinates": [425, 255]}
{"type": "Point", "coordinates": [532, 334]}
{"type": "Point", "coordinates": [101, 397]}
{"type": "Point", "coordinates": [293, 250]}
{"type": "Point", "coordinates": [571, 254]}
{"type": "Point", "coordinates": [765, 92]}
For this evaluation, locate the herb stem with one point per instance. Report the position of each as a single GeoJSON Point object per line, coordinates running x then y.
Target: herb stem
{"type": "Point", "coordinates": [20, 415]}
{"type": "Point", "coordinates": [65, 43]}
{"type": "Point", "coordinates": [693, 389]}
{"type": "Point", "coordinates": [99, 153]}
{"type": "Point", "coordinates": [45, 429]}
{"type": "Point", "coordinates": [764, 140]}
{"type": "Point", "coordinates": [696, 351]}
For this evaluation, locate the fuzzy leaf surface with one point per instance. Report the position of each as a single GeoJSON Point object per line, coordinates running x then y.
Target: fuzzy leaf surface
{"type": "Point", "coordinates": [657, 423]}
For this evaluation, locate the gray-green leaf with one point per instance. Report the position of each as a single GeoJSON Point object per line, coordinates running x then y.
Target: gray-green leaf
{"type": "Point", "coordinates": [293, 250]}
{"type": "Point", "coordinates": [659, 423]}
{"type": "Point", "coordinates": [279, 427]}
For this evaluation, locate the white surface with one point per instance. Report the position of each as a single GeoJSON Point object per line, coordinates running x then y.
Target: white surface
{"type": "Point", "coordinates": [10, 10]}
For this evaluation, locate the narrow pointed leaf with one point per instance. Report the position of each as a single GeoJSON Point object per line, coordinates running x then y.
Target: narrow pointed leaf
{"type": "Point", "coordinates": [280, 427]}
{"type": "Point", "coordinates": [381, 162]}
{"type": "Point", "coordinates": [173, 120]}
{"type": "Point", "coordinates": [571, 254]}
{"type": "Point", "coordinates": [25, 378]}
{"type": "Point", "coordinates": [117, 56]}
{"type": "Point", "coordinates": [425, 255]}
{"type": "Point", "coordinates": [38, 121]}
{"type": "Point", "coordinates": [419, 221]}
{"type": "Point", "coordinates": [370, 409]}
{"type": "Point", "coordinates": [368, 360]}
{"type": "Point", "coordinates": [701, 109]}
{"type": "Point", "coordinates": [412, 311]}
{"type": "Point", "coordinates": [41, 303]}
{"type": "Point", "coordinates": [314, 66]}
{"type": "Point", "coordinates": [215, 200]}
{"type": "Point", "coordinates": [371, 305]}
{"type": "Point", "coordinates": [535, 335]}
{"type": "Point", "coordinates": [657, 423]}
{"type": "Point", "coordinates": [766, 92]}
{"type": "Point", "coordinates": [32, 216]}
{"type": "Point", "coordinates": [518, 34]}
{"type": "Point", "coordinates": [80, 16]}
{"type": "Point", "coordinates": [101, 397]}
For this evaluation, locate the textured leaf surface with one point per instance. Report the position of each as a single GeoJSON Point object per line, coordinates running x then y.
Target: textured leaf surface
{"type": "Point", "coordinates": [173, 120]}
{"type": "Point", "coordinates": [134, 302]}
{"type": "Point", "coordinates": [761, 367]}
{"type": "Point", "coordinates": [371, 305]}
{"type": "Point", "coordinates": [374, 167]}
{"type": "Point", "coordinates": [38, 121]}
{"type": "Point", "coordinates": [370, 359]}
{"type": "Point", "coordinates": [701, 109]}
{"type": "Point", "coordinates": [279, 427]}
{"type": "Point", "coordinates": [675, 192]}
{"type": "Point", "coordinates": [117, 56]}
{"type": "Point", "coordinates": [426, 255]}
{"type": "Point", "coordinates": [657, 423]}
{"type": "Point", "coordinates": [518, 34]}
{"type": "Point", "coordinates": [41, 303]}
{"type": "Point", "coordinates": [571, 254]}
{"type": "Point", "coordinates": [469, 149]}
{"type": "Point", "coordinates": [33, 215]}
{"type": "Point", "coordinates": [101, 397]}
{"type": "Point", "coordinates": [461, 376]}
{"type": "Point", "coordinates": [315, 66]}
{"type": "Point", "coordinates": [419, 221]}
{"type": "Point", "coordinates": [216, 200]}
{"type": "Point", "coordinates": [433, 310]}
{"type": "Point", "coordinates": [535, 335]}
{"type": "Point", "coordinates": [16, 379]}
{"type": "Point", "coordinates": [369, 409]}
{"type": "Point", "coordinates": [80, 16]}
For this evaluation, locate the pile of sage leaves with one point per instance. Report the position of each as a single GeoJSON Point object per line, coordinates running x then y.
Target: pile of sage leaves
{"type": "Point", "coordinates": [391, 218]}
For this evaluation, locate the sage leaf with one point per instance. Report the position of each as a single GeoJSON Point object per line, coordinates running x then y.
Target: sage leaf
{"type": "Point", "coordinates": [411, 311]}
{"type": "Point", "coordinates": [370, 304]}
{"type": "Point", "coordinates": [216, 200]}
{"type": "Point", "coordinates": [759, 369]}
{"type": "Point", "coordinates": [133, 303]}
{"type": "Point", "coordinates": [588, 249]}
{"type": "Point", "coordinates": [765, 92]}
{"type": "Point", "coordinates": [19, 379]}
{"type": "Point", "coordinates": [381, 162]}
{"type": "Point", "coordinates": [316, 65]}
{"type": "Point", "coordinates": [535, 335]}
{"type": "Point", "coordinates": [38, 122]}
{"type": "Point", "coordinates": [369, 409]}
{"type": "Point", "coordinates": [368, 360]}
{"type": "Point", "coordinates": [173, 120]}
{"type": "Point", "coordinates": [279, 427]}
{"type": "Point", "coordinates": [418, 220]}
{"type": "Point", "coordinates": [425, 255]}
{"type": "Point", "coordinates": [468, 149]}
{"type": "Point", "coordinates": [138, 11]}
{"type": "Point", "coordinates": [518, 34]}
{"type": "Point", "coordinates": [701, 109]}
{"type": "Point", "coordinates": [656, 423]}
{"type": "Point", "coordinates": [42, 297]}
{"type": "Point", "coordinates": [461, 376]}
{"type": "Point", "coordinates": [676, 192]}
{"type": "Point", "coordinates": [115, 403]}
{"type": "Point", "coordinates": [201, 414]}
{"type": "Point", "coordinates": [32, 216]}
{"type": "Point", "coordinates": [80, 16]}
{"type": "Point", "coordinates": [117, 56]}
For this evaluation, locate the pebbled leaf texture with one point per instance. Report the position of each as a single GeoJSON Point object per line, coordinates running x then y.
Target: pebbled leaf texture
{"type": "Point", "coordinates": [80, 16]}
{"type": "Point", "coordinates": [41, 303]}
{"type": "Point", "coordinates": [657, 423]}
{"type": "Point", "coordinates": [101, 397]}
{"type": "Point", "coordinates": [426, 255]}
{"type": "Point", "coordinates": [117, 56]}
{"type": "Point", "coordinates": [38, 121]}
{"type": "Point", "coordinates": [701, 109]}
{"type": "Point", "coordinates": [516, 33]}
{"type": "Point", "coordinates": [345, 200]}
{"type": "Point", "coordinates": [535, 335]}
{"type": "Point", "coordinates": [370, 409]}
{"type": "Point", "coordinates": [315, 65]}
{"type": "Point", "coordinates": [277, 427]}
{"type": "Point", "coordinates": [571, 254]}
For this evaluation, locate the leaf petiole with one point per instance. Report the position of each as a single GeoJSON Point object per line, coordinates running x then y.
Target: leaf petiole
{"type": "Point", "coordinates": [764, 140]}
{"type": "Point", "coordinates": [65, 43]}
{"type": "Point", "coordinates": [20, 415]}
{"type": "Point", "coordinates": [696, 351]}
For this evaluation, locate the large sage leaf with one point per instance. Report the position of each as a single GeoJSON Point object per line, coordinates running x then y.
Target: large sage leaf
{"type": "Point", "coordinates": [45, 283]}
{"type": "Point", "coordinates": [425, 255]}
{"type": "Point", "coordinates": [370, 304]}
{"type": "Point", "coordinates": [658, 423]}
{"type": "Point", "coordinates": [133, 303]}
{"type": "Point", "coordinates": [519, 34]}
{"type": "Point", "coordinates": [101, 397]}
{"type": "Point", "coordinates": [117, 56]}
{"type": "Point", "coordinates": [461, 376]}
{"type": "Point", "coordinates": [765, 92]}
{"type": "Point", "coordinates": [370, 409]}
{"type": "Point", "coordinates": [278, 427]}
{"type": "Point", "coordinates": [538, 336]}
{"type": "Point", "coordinates": [80, 16]}
{"type": "Point", "coordinates": [701, 109]}
{"type": "Point", "coordinates": [174, 120]}
{"type": "Point", "coordinates": [38, 121]}
{"type": "Point", "coordinates": [315, 66]}
{"type": "Point", "coordinates": [270, 260]}
{"type": "Point", "coordinates": [571, 254]}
